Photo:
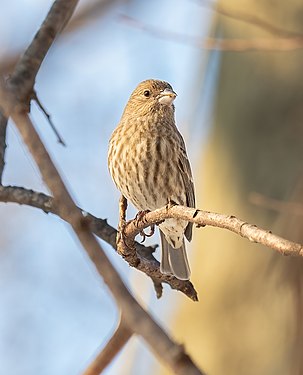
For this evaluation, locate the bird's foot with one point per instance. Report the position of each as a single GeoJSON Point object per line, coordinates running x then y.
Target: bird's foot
{"type": "Point", "coordinates": [151, 233]}
{"type": "Point", "coordinates": [140, 215]}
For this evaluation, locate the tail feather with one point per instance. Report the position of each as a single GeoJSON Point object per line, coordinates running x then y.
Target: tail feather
{"type": "Point", "coordinates": [174, 261]}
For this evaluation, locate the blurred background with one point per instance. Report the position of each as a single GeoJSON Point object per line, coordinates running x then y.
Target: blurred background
{"type": "Point", "coordinates": [241, 115]}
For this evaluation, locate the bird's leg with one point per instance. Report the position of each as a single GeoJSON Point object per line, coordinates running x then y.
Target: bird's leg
{"type": "Point", "coordinates": [140, 215]}
{"type": "Point", "coordinates": [122, 217]}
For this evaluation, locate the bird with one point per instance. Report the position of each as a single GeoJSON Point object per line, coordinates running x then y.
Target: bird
{"type": "Point", "coordinates": [148, 163]}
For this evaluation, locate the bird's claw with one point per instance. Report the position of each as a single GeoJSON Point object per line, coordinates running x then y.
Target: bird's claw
{"type": "Point", "coordinates": [144, 235]}
{"type": "Point", "coordinates": [140, 215]}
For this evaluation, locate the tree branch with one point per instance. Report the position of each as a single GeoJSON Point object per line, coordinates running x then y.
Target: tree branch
{"type": "Point", "coordinates": [112, 348]}
{"type": "Point", "coordinates": [143, 256]}
{"type": "Point", "coordinates": [23, 78]}
{"type": "Point", "coordinates": [295, 208]}
{"type": "Point", "coordinates": [3, 127]}
{"type": "Point", "coordinates": [204, 218]}
{"type": "Point", "coordinates": [86, 14]}
{"type": "Point", "coordinates": [25, 72]}
{"type": "Point", "coordinates": [248, 18]}
{"type": "Point", "coordinates": [234, 45]}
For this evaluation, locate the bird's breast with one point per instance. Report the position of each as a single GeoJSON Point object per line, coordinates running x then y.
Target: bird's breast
{"type": "Point", "coordinates": [143, 163]}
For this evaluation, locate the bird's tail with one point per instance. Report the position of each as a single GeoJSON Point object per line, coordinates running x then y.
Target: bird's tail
{"type": "Point", "coordinates": [174, 261]}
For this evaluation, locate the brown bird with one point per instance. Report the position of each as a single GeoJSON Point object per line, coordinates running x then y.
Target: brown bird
{"type": "Point", "coordinates": [148, 162]}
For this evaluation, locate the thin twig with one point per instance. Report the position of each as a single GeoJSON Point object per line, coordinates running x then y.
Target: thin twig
{"type": "Point", "coordinates": [118, 340]}
{"type": "Point", "coordinates": [295, 208]}
{"type": "Point", "coordinates": [48, 117]}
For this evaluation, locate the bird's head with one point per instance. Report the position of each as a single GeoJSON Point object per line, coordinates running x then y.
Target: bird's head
{"type": "Point", "coordinates": [151, 96]}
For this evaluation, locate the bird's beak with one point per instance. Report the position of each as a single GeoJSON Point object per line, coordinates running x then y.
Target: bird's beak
{"type": "Point", "coordinates": [167, 96]}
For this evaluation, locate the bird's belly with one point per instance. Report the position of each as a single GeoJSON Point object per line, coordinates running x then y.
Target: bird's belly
{"type": "Point", "coordinates": [144, 179]}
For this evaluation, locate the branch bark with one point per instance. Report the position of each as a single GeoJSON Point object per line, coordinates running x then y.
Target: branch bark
{"type": "Point", "coordinates": [204, 218]}
{"type": "Point", "coordinates": [142, 258]}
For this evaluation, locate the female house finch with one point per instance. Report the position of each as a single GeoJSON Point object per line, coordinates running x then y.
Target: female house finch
{"type": "Point", "coordinates": [148, 163]}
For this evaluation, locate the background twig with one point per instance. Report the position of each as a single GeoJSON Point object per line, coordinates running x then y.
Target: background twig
{"type": "Point", "coordinates": [112, 348]}
{"type": "Point", "coordinates": [3, 127]}
{"type": "Point", "coordinates": [235, 45]}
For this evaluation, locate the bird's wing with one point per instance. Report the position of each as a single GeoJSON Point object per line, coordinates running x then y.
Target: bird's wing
{"type": "Point", "coordinates": [187, 178]}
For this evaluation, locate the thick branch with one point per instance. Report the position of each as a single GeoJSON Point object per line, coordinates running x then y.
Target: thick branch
{"type": "Point", "coordinates": [23, 78]}
{"type": "Point", "coordinates": [112, 348]}
{"type": "Point", "coordinates": [142, 257]}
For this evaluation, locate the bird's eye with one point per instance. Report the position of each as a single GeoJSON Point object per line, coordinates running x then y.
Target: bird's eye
{"type": "Point", "coordinates": [146, 93]}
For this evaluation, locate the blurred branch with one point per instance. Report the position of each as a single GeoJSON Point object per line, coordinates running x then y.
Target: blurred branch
{"type": "Point", "coordinates": [143, 258]}
{"type": "Point", "coordinates": [235, 44]}
{"type": "Point", "coordinates": [277, 205]}
{"type": "Point", "coordinates": [112, 348]}
{"type": "Point", "coordinates": [23, 78]}
{"type": "Point", "coordinates": [25, 72]}
{"type": "Point", "coordinates": [204, 218]}
{"type": "Point", "coordinates": [90, 12]}
{"type": "Point", "coordinates": [248, 18]}
{"type": "Point", "coordinates": [3, 126]}
{"type": "Point", "coordinates": [87, 14]}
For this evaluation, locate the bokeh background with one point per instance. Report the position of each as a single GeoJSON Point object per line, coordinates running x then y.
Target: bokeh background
{"type": "Point", "coordinates": [241, 115]}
